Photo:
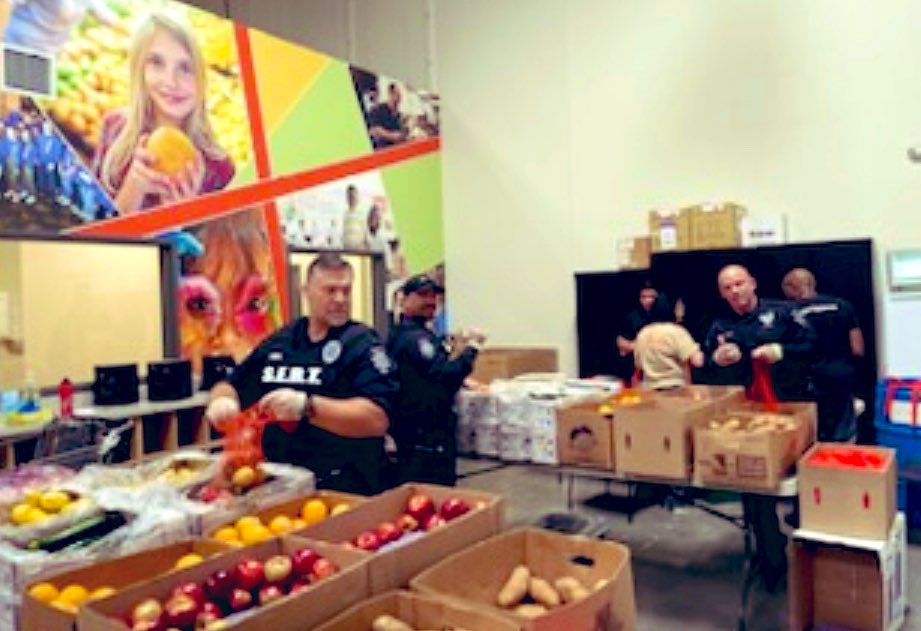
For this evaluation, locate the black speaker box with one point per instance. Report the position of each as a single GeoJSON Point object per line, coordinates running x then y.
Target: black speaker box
{"type": "Point", "coordinates": [214, 369]}
{"type": "Point", "coordinates": [169, 380]}
{"type": "Point", "coordinates": [116, 385]}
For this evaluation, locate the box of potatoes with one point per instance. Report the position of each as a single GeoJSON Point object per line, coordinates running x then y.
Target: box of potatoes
{"type": "Point", "coordinates": [753, 448]}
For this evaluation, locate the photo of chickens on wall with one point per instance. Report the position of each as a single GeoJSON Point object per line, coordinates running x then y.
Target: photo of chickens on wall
{"type": "Point", "coordinates": [148, 94]}
{"type": "Point", "coordinates": [394, 113]}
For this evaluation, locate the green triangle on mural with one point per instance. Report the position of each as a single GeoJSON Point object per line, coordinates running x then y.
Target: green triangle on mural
{"type": "Point", "coordinates": [414, 190]}
{"type": "Point", "coordinates": [325, 125]}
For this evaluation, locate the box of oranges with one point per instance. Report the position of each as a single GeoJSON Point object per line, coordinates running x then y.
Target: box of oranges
{"type": "Point", "coordinates": [51, 602]}
{"type": "Point", "coordinates": [292, 516]}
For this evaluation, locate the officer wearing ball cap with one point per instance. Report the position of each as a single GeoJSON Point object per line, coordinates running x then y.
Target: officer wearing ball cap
{"type": "Point", "coordinates": [424, 422]}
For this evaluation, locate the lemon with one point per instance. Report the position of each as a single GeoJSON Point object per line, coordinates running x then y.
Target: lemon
{"type": "Point", "coordinates": [281, 524]}
{"type": "Point", "coordinates": [226, 534]}
{"type": "Point", "coordinates": [44, 592]}
{"type": "Point", "coordinates": [102, 592]}
{"type": "Point", "coordinates": [35, 514]}
{"type": "Point", "coordinates": [314, 511]}
{"type": "Point", "coordinates": [248, 520]}
{"type": "Point", "coordinates": [53, 501]}
{"type": "Point", "coordinates": [188, 560]}
{"type": "Point", "coordinates": [74, 594]}
{"type": "Point", "coordinates": [255, 534]}
{"type": "Point", "coordinates": [19, 514]}
{"type": "Point", "coordinates": [32, 497]}
{"type": "Point", "coordinates": [340, 508]}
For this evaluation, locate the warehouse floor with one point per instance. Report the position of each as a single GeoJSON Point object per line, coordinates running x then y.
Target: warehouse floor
{"type": "Point", "coordinates": [687, 564]}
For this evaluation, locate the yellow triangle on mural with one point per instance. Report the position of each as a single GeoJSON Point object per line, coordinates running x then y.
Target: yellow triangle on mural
{"type": "Point", "coordinates": [284, 72]}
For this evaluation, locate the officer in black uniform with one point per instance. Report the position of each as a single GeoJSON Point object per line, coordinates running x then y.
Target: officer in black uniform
{"type": "Point", "coordinates": [329, 383]}
{"type": "Point", "coordinates": [425, 423]}
{"type": "Point", "coordinates": [760, 331]}
{"type": "Point", "coordinates": [840, 346]}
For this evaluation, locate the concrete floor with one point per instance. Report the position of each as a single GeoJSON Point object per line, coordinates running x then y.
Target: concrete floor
{"type": "Point", "coordinates": [687, 564]}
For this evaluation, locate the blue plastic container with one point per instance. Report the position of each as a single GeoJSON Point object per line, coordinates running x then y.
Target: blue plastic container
{"type": "Point", "coordinates": [905, 439]}
{"type": "Point", "coordinates": [902, 394]}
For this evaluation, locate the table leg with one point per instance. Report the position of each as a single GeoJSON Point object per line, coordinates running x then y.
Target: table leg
{"type": "Point", "coordinates": [570, 489]}
{"type": "Point", "coordinates": [171, 437]}
{"type": "Point", "coordinates": [137, 438]}
{"type": "Point", "coordinates": [9, 455]}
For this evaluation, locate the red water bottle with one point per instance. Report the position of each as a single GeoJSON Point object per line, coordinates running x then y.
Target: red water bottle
{"type": "Point", "coordinates": [66, 398]}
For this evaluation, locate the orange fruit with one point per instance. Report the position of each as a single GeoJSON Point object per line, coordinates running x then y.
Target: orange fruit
{"type": "Point", "coordinates": [255, 534]}
{"type": "Point", "coordinates": [281, 524]}
{"type": "Point", "coordinates": [188, 560]}
{"type": "Point", "coordinates": [314, 511]}
{"type": "Point", "coordinates": [248, 520]}
{"type": "Point", "coordinates": [74, 594]}
{"type": "Point", "coordinates": [227, 534]}
{"type": "Point", "coordinates": [44, 592]}
{"type": "Point", "coordinates": [171, 148]}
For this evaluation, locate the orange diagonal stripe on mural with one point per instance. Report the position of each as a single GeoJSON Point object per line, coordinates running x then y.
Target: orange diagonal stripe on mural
{"type": "Point", "coordinates": [228, 201]}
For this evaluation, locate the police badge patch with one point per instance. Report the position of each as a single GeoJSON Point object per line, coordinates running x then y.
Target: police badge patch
{"type": "Point", "coordinates": [767, 319]}
{"type": "Point", "coordinates": [426, 348]}
{"type": "Point", "coordinates": [380, 360]}
{"type": "Point", "coordinates": [331, 351]}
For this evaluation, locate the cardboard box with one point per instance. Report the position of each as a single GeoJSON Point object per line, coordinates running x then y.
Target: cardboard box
{"type": "Point", "coordinates": [393, 566]}
{"type": "Point", "coordinates": [477, 574]}
{"type": "Point", "coordinates": [655, 438]}
{"type": "Point", "coordinates": [763, 230]}
{"type": "Point", "coordinates": [853, 584]}
{"type": "Point", "coordinates": [845, 500]}
{"type": "Point", "coordinates": [119, 573]}
{"type": "Point", "coordinates": [745, 457]}
{"type": "Point", "coordinates": [722, 397]}
{"type": "Point", "coordinates": [584, 436]}
{"type": "Point", "coordinates": [715, 225]}
{"type": "Point", "coordinates": [806, 414]}
{"type": "Point", "coordinates": [418, 611]}
{"type": "Point", "coordinates": [669, 230]}
{"type": "Point", "coordinates": [315, 604]}
{"type": "Point", "coordinates": [506, 362]}
{"type": "Point", "coordinates": [634, 253]}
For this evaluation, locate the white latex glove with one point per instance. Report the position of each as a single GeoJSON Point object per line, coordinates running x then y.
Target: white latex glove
{"type": "Point", "coordinates": [771, 353]}
{"type": "Point", "coordinates": [727, 354]}
{"type": "Point", "coordinates": [284, 404]}
{"type": "Point", "coordinates": [221, 410]}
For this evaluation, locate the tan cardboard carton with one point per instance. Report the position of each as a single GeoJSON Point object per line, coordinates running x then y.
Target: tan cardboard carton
{"type": "Point", "coordinates": [585, 436]}
{"type": "Point", "coordinates": [852, 501]}
{"type": "Point", "coordinates": [722, 397]}
{"type": "Point", "coordinates": [497, 362]}
{"type": "Point", "coordinates": [418, 611]}
{"type": "Point", "coordinates": [476, 575]}
{"type": "Point", "coordinates": [716, 225]}
{"type": "Point", "coordinates": [392, 567]}
{"type": "Point", "coordinates": [854, 584]}
{"type": "Point", "coordinates": [805, 412]}
{"type": "Point", "coordinates": [118, 573]}
{"type": "Point", "coordinates": [669, 230]}
{"type": "Point", "coordinates": [309, 607]}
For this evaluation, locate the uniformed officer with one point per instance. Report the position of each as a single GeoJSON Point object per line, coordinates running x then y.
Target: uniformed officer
{"type": "Point", "coordinates": [327, 379]}
{"type": "Point", "coordinates": [425, 424]}
{"type": "Point", "coordinates": [840, 345]}
{"type": "Point", "coordinates": [763, 331]}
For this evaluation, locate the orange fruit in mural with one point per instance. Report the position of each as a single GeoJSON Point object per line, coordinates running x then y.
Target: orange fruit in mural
{"type": "Point", "coordinates": [171, 148]}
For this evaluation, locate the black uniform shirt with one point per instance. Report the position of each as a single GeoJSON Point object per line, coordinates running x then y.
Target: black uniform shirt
{"type": "Point", "coordinates": [429, 377]}
{"type": "Point", "coordinates": [349, 362]}
{"type": "Point", "coordinates": [770, 322]}
{"type": "Point", "coordinates": [832, 319]}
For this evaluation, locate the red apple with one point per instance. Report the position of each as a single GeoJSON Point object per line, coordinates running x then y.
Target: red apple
{"type": "Point", "coordinates": [389, 532]}
{"type": "Point", "coordinates": [147, 610]}
{"type": "Point", "coordinates": [299, 584]}
{"type": "Point", "coordinates": [278, 569]}
{"type": "Point", "coordinates": [407, 522]}
{"type": "Point", "coordinates": [219, 585]}
{"type": "Point", "coordinates": [250, 574]}
{"type": "Point", "coordinates": [323, 568]}
{"type": "Point", "coordinates": [191, 589]}
{"type": "Point", "coordinates": [368, 540]}
{"type": "Point", "coordinates": [269, 593]}
{"type": "Point", "coordinates": [302, 561]}
{"type": "Point", "coordinates": [453, 507]}
{"type": "Point", "coordinates": [420, 506]}
{"type": "Point", "coordinates": [210, 607]}
{"type": "Point", "coordinates": [433, 522]}
{"type": "Point", "coordinates": [205, 618]}
{"type": "Point", "coordinates": [180, 611]}
{"type": "Point", "coordinates": [240, 599]}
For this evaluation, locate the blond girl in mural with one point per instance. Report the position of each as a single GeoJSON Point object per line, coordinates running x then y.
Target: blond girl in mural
{"type": "Point", "coordinates": [228, 301]}
{"type": "Point", "coordinates": [161, 148]}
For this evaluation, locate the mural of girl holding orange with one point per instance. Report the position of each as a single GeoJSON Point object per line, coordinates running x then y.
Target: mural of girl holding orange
{"type": "Point", "coordinates": [161, 148]}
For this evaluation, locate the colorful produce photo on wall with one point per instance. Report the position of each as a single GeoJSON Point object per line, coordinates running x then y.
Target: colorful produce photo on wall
{"type": "Point", "coordinates": [228, 295]}
{"type": "Point", "coordinates": [394, 113]}
{"type": "Point", "coordinates": [44, 187]}
{"type": "Point", "coordinates": [148, 93]}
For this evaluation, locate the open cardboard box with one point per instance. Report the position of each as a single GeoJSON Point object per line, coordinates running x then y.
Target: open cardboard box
{"type": "Point", "coordinates": [392, 566]}
{"type": "Point", "coordinates": [476, 575]}
{"type": "Point", "coordinates": [119, 573]}
{"type": "Point", "coordinates": [847, 501]}
{"type": "Point", "coordinates": [584, 436]}
{"type": "Point", "coordinates": [418, 611]}
{"type": "Point", "coordinates": [309, 607]}
{"type": "Point", "coordinates": [805, 412]}
{"type": "Point", "coordinates": [722, 397]}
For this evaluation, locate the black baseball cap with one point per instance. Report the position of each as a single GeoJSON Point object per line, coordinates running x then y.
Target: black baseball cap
{"type": "Point", "coordinates": [421, 282]}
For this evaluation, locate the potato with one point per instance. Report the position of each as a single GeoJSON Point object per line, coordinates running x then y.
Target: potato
{"type": "Point", "coordinates": [515, 587]}
{"type": "Point", "coordinates": [530, 610]}
{"type": "Point", "coordinates": [570, 589]}
{"type": "Point", "coordinates": [389, 623]}
{"type": "Point", "coordinates": [543, 592]}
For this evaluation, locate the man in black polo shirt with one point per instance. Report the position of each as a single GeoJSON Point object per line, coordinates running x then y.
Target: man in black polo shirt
{"type": "Point", "coordinates": [329, 383]}
{"type": "Point", "coordinates": [424, 422]}
{"type": "Point", "coordinates": [385, 123]}
{"type": "Point", "coordinates": [840, 346]}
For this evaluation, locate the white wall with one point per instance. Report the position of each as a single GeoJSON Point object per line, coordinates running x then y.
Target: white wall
{"type": "Point", "coordinates": [564, 122]}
